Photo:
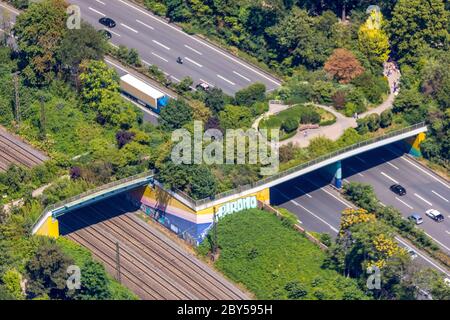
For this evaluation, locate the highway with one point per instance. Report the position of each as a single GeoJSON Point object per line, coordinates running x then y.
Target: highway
{"type": "Point", "coordinates": [318, 206]}
{"type": "Point", "coordinates": [160, 43]}
{"type": "Point", "coordinates": [384, 167]}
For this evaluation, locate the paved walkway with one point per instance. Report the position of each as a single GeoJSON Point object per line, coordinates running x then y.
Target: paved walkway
{"type": "Point", "coordinates": [342, 123]}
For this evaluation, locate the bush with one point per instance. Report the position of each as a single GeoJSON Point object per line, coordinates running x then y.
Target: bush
{"type": "Point", "coordinates": [323, 92]}
{"type": "Point", "coordinates": [290, 125]}
{"type": "Point", "coordinates": [295, 290]}
{"type": "Point", "coordinates": [253, 93]}
{"type": "Point", "coordinates": [373, 122]}
{"type": "Point", "coordinates": [386, 118]}
{"type": "Point", "coordinates": [339, 99]}
{"type": "Point", "coordinates": [310, 116]}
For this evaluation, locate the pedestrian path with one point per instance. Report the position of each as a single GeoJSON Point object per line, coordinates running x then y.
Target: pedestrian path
{"type": "Point", "coordinates": [336, 130]}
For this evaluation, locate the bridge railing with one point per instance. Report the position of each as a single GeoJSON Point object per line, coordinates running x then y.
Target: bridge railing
{"type": "Point", "coordinates": [261, 182]}
{"type": "Point", "coordinates": [96, 190]}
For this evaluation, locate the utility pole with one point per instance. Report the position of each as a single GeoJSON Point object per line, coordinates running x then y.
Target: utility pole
{"type": "Point", "coordinates": [215, 245]}
{"type": "Point", "coordinates": [42, 120]}
{"type": "Point", "coordinates": [118, 262]}
{"type": "Point", "coordinates": [16, 97]}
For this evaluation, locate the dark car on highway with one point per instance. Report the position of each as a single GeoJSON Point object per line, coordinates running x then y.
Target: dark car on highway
{"type": "Point", "coordinates": [398, 189]}
{"type": "Point", "coordinates": [110, 23]}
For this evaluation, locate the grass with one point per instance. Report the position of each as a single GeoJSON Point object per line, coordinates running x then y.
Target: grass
{"type": "Point", "coordinates": [257, 250]}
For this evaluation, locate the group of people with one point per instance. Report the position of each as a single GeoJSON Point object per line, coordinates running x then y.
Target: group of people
{"type": "Point", "coordinates": [391, 68]}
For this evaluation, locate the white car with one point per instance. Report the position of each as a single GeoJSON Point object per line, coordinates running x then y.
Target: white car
{"type": "Point", "coordinates": [447, 281]}
{"type": "Point", "coordinates": [435, 215]}
{"type": "Point", "coordinates": [412, 253]}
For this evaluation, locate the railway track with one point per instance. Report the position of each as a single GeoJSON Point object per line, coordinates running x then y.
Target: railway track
{"type": "Point", "coordinates": [14, 151]}
{"type": "Point", "coordinates": [154, 266]}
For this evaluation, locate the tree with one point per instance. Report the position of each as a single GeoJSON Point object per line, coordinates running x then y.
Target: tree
{"type": "Point", "coordinates": [81, 44]}
{"type": "Point", "coordinates": [185, 84]}
{"type": "Point", "coordinates": [372, 39]}
{"type": "Point", "coordinates": [343, 66]}
{"type": "Point", "coordinates": [215, 99]}
{"type": "Point", "coordinates": [235, 117]}
{"type": "Point", "coordinates": [94, 283]}
{"type": "Point", "coordinates": [96, 81]}
{"type": "Point", "coordinates": [418, 23]}
{"type": "Point", "coordinates": [203, 183]}
{"type": "Point", "coordinates": [47, 272]}
{"type": "Point", "coordinates": [200, 111]}
{"type": "Point", "coordinates": [175, 115]}
{"type": "Point", "coordinates": [12, 279]}
{"type": "Point", "coordinates": [255, 92]}
{"type": "Point", "coordinates": [40, 30]}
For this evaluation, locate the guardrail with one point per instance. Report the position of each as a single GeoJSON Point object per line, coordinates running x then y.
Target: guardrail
{"type": "Point", "coordinates": [95, 190]}
{"type": "Point", "coordinates": [282, 174]}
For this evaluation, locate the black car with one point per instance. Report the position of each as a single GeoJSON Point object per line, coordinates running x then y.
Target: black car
{"type": "Point", "coordinates": [106, 34]}
{"type": "Point", "coordinates": [110, 23]}
{"type": "Point", "coordinates": [398, 189]}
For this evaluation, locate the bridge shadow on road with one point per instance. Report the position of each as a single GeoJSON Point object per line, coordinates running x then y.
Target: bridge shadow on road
{"type": "Point", "coordinates": [94, 214]}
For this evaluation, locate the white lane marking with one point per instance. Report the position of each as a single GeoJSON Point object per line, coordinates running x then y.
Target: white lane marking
{"type": "Point", "coordinates": [299, 205]}
{"type": "Point", "coordinates": [176, 79]}
{"type": "Point", "coordinates": [116, 65]}
{"type": "Point", "coordinates": [390, 178]}
{"type": "Point", "coordinates": [338, 199]}
{"type": "Point", "coordinates": [404, 203]}
{"type": "Point", "coordinates": [101, 2]}
{"type": "Point", "coordinates": [96, 11]}
{"type": "Point", "coordinates": [424, 257]}
{"type": "Point", "coordinates": [115, 33]}
{"type": "Point", "coordinates": [426, 201]}
{"type": "Point", "coordinates": [160, 44]}
{"type": "Point", "coordinates": [10, 9]}
{"type": "Point", "coordinates": [389, 163]}
{"type": "Point", "coordinates": [225, 79]}
{"type": "Point", "coordinates": [192, 49]}
{"type": "Point", "coordinates": [243, 77]}
{"type": "Point", "coordinates": [115, 46]}
{"type": "Point", "coordinates": [362, 160]}
{"type": "Point", "coordinates": [144, 24]}
{"type": "Point", "coordinates": [382, 204]}
{"type": "Point", "coordinates": [446, 200]}
{"type": "Point", "coordinates": [203, 43]}
{"type": "Point", "coordinates": [426, 172]}
{"type": "Point", "coordinates": [438, 242]}
{"type": "Point", "coordinates": [307, 194]}
{"type": "Point", "coordinates": [146, 62]}
{"type": "Point", "coordinates": [346, 181]}
{"type": "Point", "coordinates": [447, 232]}
{"type": "Point", "coordinates": [158, 56]}
{"type": "Point", "coordinates": [315, 216]}
{"type": "Point", "coordinates": [129, 28]}
{"type": "Point", "coordinates": [194, 62]}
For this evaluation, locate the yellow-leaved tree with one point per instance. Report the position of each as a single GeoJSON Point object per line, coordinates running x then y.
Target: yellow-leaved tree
{"type": "Point", "coordinates": [373, 40]}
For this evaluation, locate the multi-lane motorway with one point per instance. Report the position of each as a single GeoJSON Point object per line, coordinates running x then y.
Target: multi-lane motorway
{"type": "Point", "coordinates": [319, 207]}
{"type": "Point", "coordinates": [161, 43]}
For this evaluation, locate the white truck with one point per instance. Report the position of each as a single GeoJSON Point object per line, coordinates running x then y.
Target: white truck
{"type": "Point", "coordinates": [143, 93]}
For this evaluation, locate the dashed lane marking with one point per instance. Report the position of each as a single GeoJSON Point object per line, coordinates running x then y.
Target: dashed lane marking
{"type": "Point", "coordinates": [404, 203]}
{"type": "Point", "coordinates": [390, 178]}
{"type": "Point", "coordinates": [424, 200]}
{"type": "Point", "coordinates": [446, 200]}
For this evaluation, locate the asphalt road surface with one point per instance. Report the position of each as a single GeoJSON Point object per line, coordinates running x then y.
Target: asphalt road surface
{"type": "Point", "coordinates": [384, 167]}
{"type": "Point", "coordinates": [160, 43]}
{"type": "Point", "coordinates": [318, 207]}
